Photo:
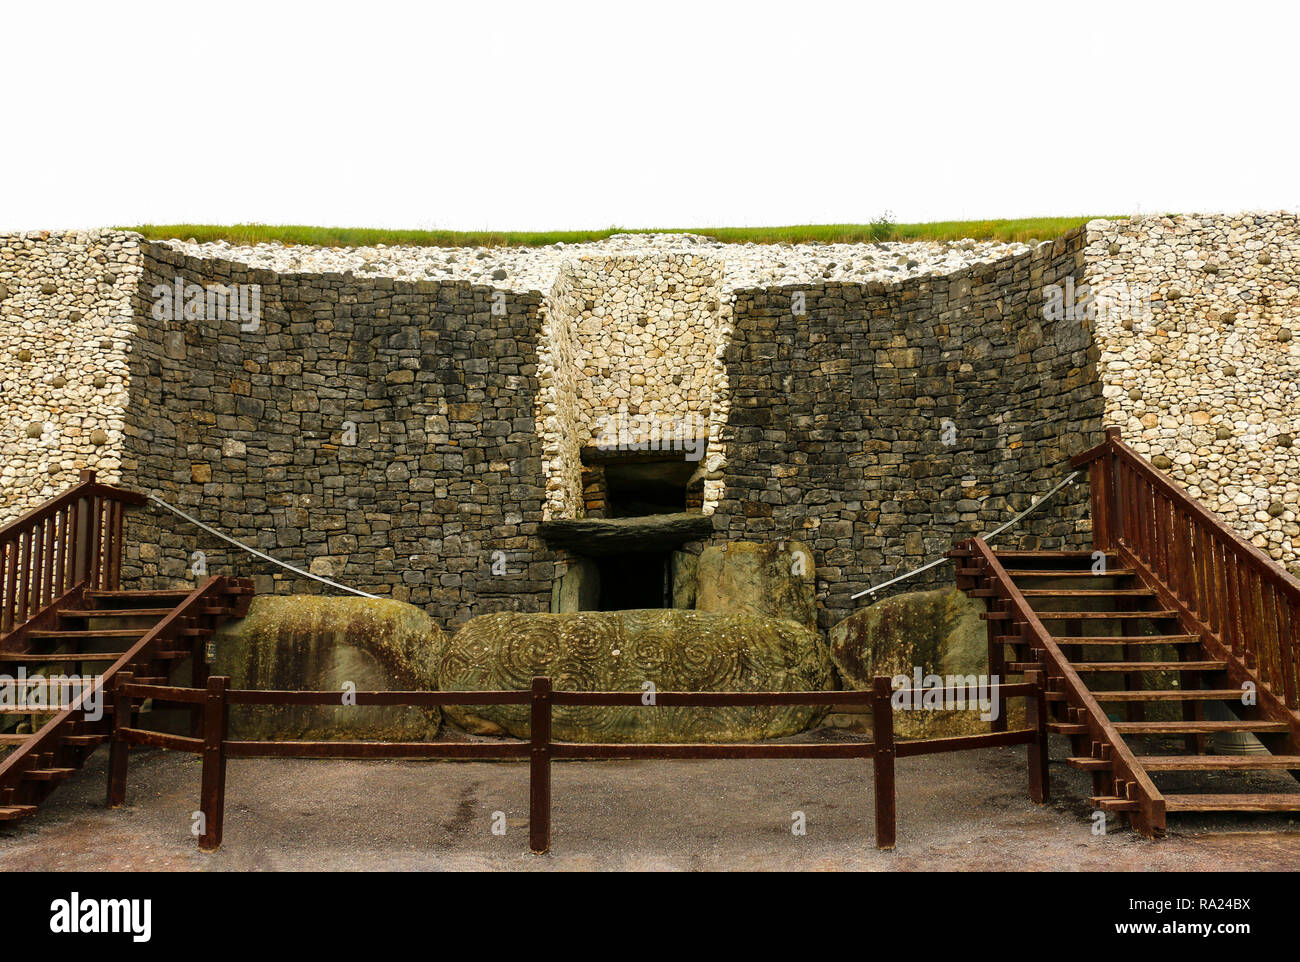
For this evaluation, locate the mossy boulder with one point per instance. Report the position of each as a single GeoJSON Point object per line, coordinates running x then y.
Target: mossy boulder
{"type": "Point", "coordinates": [307, 642]}
{"type": "Point", "coordinates": [769, 579]}
{"type": "Point", "coordinates": [938, 631]}
{"type": "Point", "coordinates": [622, 650]}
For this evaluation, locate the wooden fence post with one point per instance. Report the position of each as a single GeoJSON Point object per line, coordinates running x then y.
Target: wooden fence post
{"type": "Point", "coordinates": [539, 768]}
{"type": "Point", "coordinates": [1115, 523]}
{"type": "Point", "coordinates": [882, 724]}
{"type": "Point", "coordinates": [81, 534]}
{"type": "Point", "coordinates": [198, 670]}
{"type": "Point", "coordinates": [212, 797]}
{"type": "Point", "coordinates": [119, 749]}
{"type": "Point", "coordinates": [1040, 786]}
{"type": "Point", "coordinates": [997, 661]}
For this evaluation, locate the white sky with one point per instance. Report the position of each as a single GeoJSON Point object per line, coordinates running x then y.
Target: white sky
{"type": "Point", "coordinates": [553, 115]}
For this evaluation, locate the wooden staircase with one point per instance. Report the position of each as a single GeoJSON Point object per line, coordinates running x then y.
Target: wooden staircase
{"type": "Point", "coordinates": [1174, 631]}
{"type": "Point", "coordinates": [63, 615]}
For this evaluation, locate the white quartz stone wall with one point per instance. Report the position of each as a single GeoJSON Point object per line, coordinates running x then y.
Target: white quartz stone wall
{"type": "Point", "coordinates": [1205, 380]}
{"type": "Point", "coordinates": [642, 335]}
{"type": "Point", "coordinates": [557, 403]}
{"type": "Point", "coordinates": [66, 325]}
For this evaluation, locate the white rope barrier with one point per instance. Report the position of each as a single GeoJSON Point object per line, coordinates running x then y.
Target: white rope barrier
{"type": "Point", "coordinates": [874, 589]}
{"type": "Point", "coordinates": [987, 537]}
{"type": "Point", "coordinates": [253, 551]}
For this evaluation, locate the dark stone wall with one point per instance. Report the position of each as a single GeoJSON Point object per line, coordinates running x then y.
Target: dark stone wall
{"type": "Point", "coordinates": [836, 427]}
{"type": "Point", "coordinates": [836, 433]}
{"type": "Point", "coordinates": [245, 431]}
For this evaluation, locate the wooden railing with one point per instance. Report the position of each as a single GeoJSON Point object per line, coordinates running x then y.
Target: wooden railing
{"type": "Point", "coordinates": [71, 542]}
{"type": "Point", "coordinates": [213, 744]}
{"type": "Point", "coordinates": [213, 594]}
{"type": "Point", "coordinates": [1245, 603]}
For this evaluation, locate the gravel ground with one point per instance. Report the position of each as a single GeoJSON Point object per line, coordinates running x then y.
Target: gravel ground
{"type": "Point", "coordinates": [535, 268]}
{"type": "Point", "coordinates": [963, 811]}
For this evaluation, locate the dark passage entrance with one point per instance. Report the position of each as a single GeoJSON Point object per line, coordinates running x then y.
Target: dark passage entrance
{"type": "Point", "coordinates": [636, 580]}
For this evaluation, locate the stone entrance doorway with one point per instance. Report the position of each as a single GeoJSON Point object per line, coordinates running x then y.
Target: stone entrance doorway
{"type": "Point", "coordinates": [639, 579]}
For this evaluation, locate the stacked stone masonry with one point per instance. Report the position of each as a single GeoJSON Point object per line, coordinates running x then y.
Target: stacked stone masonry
{"type": "Point", "coordinates": [65, 328]}
{"type": "Point", "coordinates": [408, 435]}
{"type": "Point", "coordinates": [1206, 380]}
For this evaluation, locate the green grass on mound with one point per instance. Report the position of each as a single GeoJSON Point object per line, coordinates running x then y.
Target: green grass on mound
{"type": "Point", "coordinates": [1025, 229]}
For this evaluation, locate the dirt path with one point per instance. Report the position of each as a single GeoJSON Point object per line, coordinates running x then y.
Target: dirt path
{"type": "Point", "coordinates": [961, 811]}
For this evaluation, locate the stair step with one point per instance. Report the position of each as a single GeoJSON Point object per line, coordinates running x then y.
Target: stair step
{"type": "Point", "coordinates": [1217, 763]}
{"type": "Point", "coordinates": [83, 634]}
{"type": "Point", "coordinates": [123, 595]}
{"type": "Point", "coordinates": [114, 612]}
{"type": "Point", "coordinates": [48, 774]}
{"type": "Point", "coordinates": [1058, 573]}
{"type": "Point", "coordinates": [1056, 554]}
{"type": "Point", "coordinates": [1126, 640]}
{"type": "Point", "coordinates": [37, 656]}
{"type": "Point", "coordinates": [1113, 803]}
{"type": "Point", "coordinates": [1089, 764]}
{"type": "Point", "coordinates": [1127, 666]}
{"type": "Point", "coordinates": [1279, 802]}
{"type": "Point", "coordinates": [1020, 667]}
{"type": "Point", "coordinates": [1067, 728]}
{"type": "Point", "coordinates": [12, 739]}
{"type": "Point", "coordinates": [1087, 592]}
{"type": "Point", "coordinates": [1156, 615]}
{"type": "Point", "coordinates": [1173, 694]}
{"type": "Point", "coordinates": [1197, 727]}
{"type": "Point", "coordinates": [9, 813]}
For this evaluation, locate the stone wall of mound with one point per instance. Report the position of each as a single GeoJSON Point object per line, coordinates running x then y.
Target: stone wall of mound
{"type": "Point", "coordinates": [66, 330]}
{"type": "Point", "coordinates": [1201, 362]}
{"type": "Point", "coordinates": [881, 423]}
{"type": "Point", "coordinates": [377, 432]}
{"type": "Point", "coordinates": [408, 437]}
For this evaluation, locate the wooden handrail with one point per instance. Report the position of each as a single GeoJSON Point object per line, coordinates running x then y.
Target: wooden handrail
{"type": "Point", "coordinates": [58, 549]}
{"type": "Point", "coordinates": [1244, 602]}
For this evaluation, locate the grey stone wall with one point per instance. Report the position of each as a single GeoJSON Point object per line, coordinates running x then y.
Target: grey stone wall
{"type": "Point", "coordinates": [838, 418]}
{"type": "Point", "coordinates": [249, 431]}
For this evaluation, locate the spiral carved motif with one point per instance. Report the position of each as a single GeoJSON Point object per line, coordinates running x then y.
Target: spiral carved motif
{"type": "Point", "coordinates": [676, 650]}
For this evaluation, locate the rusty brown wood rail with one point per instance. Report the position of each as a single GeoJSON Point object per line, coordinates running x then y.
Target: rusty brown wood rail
{"type": "Point", "coordinates": [215, 746]}
{"type": "Point", "coordinates": [1245, 605]}
{"type": "Point", "coordinates": [71, 543]}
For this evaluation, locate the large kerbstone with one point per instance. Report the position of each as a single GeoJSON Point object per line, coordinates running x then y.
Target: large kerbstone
{"type": "Point", "coordinates": [938, 631]}
{"type": "Point", "coordinates": [771, 579]}
{"type": "Point", "coordinates": [620, 651]}
{"type": "Point", "coordinates": [306, 642]}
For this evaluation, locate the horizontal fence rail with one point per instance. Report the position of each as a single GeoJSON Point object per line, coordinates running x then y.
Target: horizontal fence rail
{"type": "Point", "coordinates": [215, 746]}
{"type": "Point", "coordinates": [73, 541]}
